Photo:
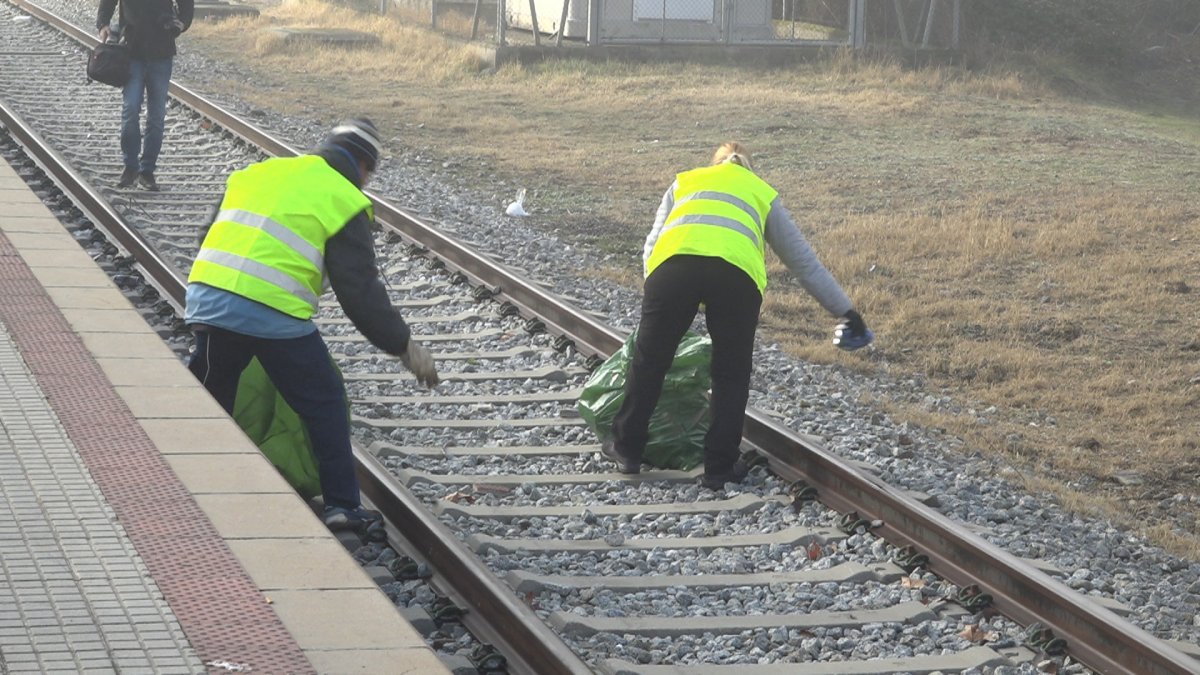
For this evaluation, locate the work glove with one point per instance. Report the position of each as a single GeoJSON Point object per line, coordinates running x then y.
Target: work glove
{"type": "Point", "coordinates": [852, 333]}
{"type": "Point", "coordinates": [419, 362]}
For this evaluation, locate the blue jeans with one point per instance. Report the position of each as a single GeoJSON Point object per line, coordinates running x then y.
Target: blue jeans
{"type": "Point", "coordinates": [151, 78]}
{"type": "Point", "coordinates": [303, 372]}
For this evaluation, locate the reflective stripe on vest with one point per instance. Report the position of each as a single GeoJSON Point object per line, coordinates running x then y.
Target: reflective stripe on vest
{"type": "Point", "coordinates": [720, 211]}
{"type": "Point", "coordinates": [268, 240]}
{"type": "Point", "coordinates": [259, 271]}
{"type": "Point", "coordinates": [720, 221]}
{"type": "Point", "coordinates": [283, 234]}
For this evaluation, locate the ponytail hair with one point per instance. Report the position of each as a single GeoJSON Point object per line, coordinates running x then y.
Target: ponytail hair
{"type": "Point", "coordinates": [735, 152]}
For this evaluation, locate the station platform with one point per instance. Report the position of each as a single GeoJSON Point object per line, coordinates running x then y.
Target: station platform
{"type": "Point", "coordinates": [140, 530]}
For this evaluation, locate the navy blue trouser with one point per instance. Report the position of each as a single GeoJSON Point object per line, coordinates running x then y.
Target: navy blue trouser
{"type": "Point", "coordinates": [673, 294]}
{"type": "Point", "coordinates": [303, 372]}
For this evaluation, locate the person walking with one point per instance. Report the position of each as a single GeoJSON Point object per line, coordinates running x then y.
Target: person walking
{"type": "Point", "coordinates": [149, 28]}
{"type": "Point", "coordinates": [284, 225]}
{"type": "Point", "coordinates": [707, 247]}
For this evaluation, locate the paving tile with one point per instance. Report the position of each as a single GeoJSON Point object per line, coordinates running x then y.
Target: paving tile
{"type": "Point", "coordinates": [240, 473]}
{"type": "Point", "coordinates": [267, 515]}
{"type": "Point", "coordinates": [64, 560]}
{"type": "Point", "coordinates": [415, 661]}
{"type": "Point", "coordinates": [293, 564]}
{"type": "Point", "coordinates": [349, 619]}
{"type": "Point", "coordinates": [75, 592]}
{"type": "Point", "coordinates": [204, 436]}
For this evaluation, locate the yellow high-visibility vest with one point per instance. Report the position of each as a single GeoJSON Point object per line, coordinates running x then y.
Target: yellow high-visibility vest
{"type": "Point", "coordinates": [268, 240]}
{"type": "Point", "coordinates": [720, 211]}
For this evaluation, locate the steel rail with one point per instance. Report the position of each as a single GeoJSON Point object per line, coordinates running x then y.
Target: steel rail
{"type": "Point", "coordinates": [159, 273]}
{"type": "Point", "coordinates": [591, 337]}
{"type": "Point", "coordinates": [496, 614]}
{"type": "Point", "coordinates": [1095, 636]}
{"type": "Point", "coordinates": [498, 617]}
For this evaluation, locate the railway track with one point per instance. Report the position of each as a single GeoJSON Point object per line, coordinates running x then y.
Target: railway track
{"type": "Point", "coordinates": [814, 565]}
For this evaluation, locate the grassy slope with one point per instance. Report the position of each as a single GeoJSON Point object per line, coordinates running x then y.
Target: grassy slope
{"type": "Point", "coordinates": [1022, 248]}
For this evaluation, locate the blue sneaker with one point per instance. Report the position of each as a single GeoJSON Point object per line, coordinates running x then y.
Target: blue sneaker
{"type": "Point", "coordinates": [852, 333]}
{"type": "Point", "coordinates": [365, 522]}
{"type": "Point", "coordinates": [849, 342]}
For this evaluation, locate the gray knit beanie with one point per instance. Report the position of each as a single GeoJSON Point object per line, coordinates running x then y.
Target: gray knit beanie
{"type": "Point", "coordinates": [360, 138]}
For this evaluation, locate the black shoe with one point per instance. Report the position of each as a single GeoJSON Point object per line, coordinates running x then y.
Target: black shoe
{"type": "Point", "coordinates": [146, 179]}
{"type": "Point", "coordinates": [368, 524]}
{"type": "Point", "coordinates": [736, 474]}
{"type": "Point", "coordinates": [609, 450]}
{"type": "Point", "coordinates": [127, 178]}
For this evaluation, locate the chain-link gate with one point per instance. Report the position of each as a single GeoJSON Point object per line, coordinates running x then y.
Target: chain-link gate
{"type": "Point", "coordinates": [826, 22]}
{"type": "Point", "coordinates": [911, 23]}
{"type": "Point", "coordinates": [608, 22]}
{"type": "Point", "coordinates": [833, 23]}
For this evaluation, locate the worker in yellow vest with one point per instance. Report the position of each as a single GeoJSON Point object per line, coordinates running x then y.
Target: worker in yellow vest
{"type": "Point", "coordinates": [285, 226]}
{"type": "Point", "coordinates": [707, 247]}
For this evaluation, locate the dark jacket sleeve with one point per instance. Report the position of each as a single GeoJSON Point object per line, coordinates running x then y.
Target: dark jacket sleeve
{"type": "Point", "coordinates": [105, 14]}
{"type": "Point", "coordinates": [187, 9]}
{"type": "Point", "coordinates": [350, 263]}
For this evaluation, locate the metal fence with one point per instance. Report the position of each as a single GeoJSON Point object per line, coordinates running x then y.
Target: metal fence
{"type": "Point", "coordinates": [828, 22]}
{"type": "Point", "coordinates": [850, 23]}
{"type": "Point", "coordinates": [690, 21]}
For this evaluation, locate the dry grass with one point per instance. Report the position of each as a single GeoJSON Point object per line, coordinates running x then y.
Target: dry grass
{"type": "Point", "coordinates": [419, 50]}
{"type": "Point", "coordinates": [1027, 250]}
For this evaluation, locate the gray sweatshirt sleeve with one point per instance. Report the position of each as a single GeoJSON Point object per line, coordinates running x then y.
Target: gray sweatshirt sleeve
{"type": "Point", "coordinates": [664, 210]}
{"type": "Point", "coordinates": [786, 240]}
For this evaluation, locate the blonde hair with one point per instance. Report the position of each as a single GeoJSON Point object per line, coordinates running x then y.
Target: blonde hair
{"type": "Point", "coordinates": [735, 152]}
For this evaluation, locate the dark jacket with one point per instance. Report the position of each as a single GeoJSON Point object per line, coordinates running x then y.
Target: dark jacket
{"type": "Point", "coordinates": [353, 275]}
{"type": "Point", "coordinates": [350, 264]}
{"type": "Point", "coordinates": [145, 24]}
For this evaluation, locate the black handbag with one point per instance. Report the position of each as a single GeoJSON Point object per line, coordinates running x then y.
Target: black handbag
{"type": "Point", "coordinates": [109, 63]}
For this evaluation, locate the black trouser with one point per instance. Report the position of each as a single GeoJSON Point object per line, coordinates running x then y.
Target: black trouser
{"type": "Point", "coordinates": [673, 294]}
{"type": "Point", "coordinates": [303, 373]}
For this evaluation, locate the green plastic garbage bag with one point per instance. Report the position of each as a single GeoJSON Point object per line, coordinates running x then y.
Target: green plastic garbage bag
{"type": "Point", "coordinates": [278, 431]}
{"type": "Point", "coordinates": [680, 420]}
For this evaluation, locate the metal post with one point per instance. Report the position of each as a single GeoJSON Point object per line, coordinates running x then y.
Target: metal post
{"type": "Point", "coordinates": [475, 20]}
{"type": "Point", "coordinates": [593, 19]}
{"type": "Point", "coordinates": [433, 13]}
{"type": "Point", "coordinates": [860, 24]}
{"type": "Point", "coordinates": [562, 22]}
{"type": "Point", "coordinates": [501, 19]}
{"type": "Point", "coordinates": [933, 7]}
{"type": "Point", "coordinates": [850, 32]}
{"type": "Point", "coordinates": [662, 27]}
{"type": "Point", "coordinates": [920, 25]}
{"type": "Point", "coordinates": [537, 39]}
{"type": "Point", "coordinates": [957, 24]}
{"type": "Point", "coordinates": [727, 19]}
{"type": "Point", "coordinates": [902, 24]}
